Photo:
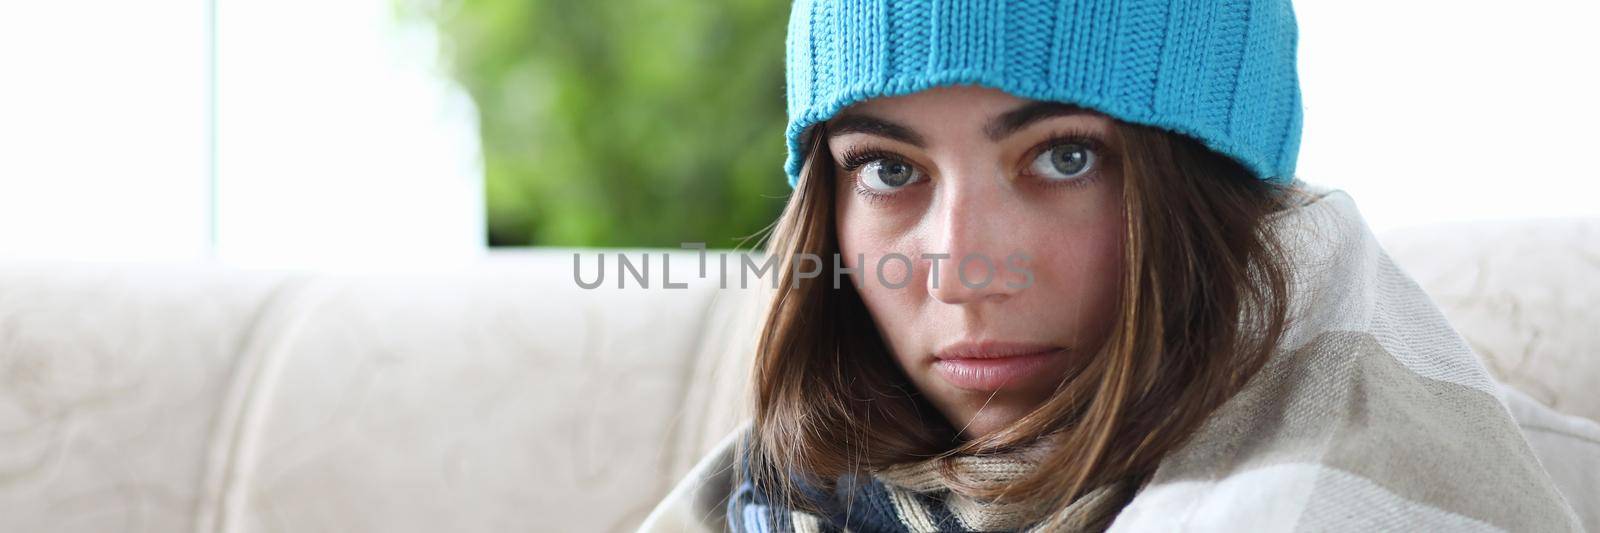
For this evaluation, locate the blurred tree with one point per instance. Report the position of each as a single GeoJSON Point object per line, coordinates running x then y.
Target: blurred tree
{"type": "Point", "coordinates": [622, 122]}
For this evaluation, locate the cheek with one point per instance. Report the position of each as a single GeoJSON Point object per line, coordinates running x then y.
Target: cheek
{"type": "Point", "coordinates": [1084, 264]}
{"type": "Point", "coordinates": [888, 277]}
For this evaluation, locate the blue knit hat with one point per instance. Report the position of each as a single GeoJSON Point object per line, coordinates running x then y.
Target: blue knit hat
{"type": "Point", "coordinates": [1221, 71]}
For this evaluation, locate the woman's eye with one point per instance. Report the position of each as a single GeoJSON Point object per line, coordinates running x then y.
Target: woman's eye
{"type": "Point", "coordinates": [1064, 162]}
{"type": "Point", "coordinates": [885, 175]}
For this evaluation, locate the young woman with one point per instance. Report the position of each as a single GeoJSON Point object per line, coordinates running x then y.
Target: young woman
{"type": "Point", "coordinates": [1069, 282]}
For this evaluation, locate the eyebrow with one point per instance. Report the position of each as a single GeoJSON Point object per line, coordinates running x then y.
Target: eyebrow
{"type": "Point", "coordinates": [998, 128]}
{"type": "Point", "coordinates": [1011, 121]}
{"type": "Point", "coordinates": [870, 125]}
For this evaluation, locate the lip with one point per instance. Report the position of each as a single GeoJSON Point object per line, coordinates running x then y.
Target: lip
{"type": "Point", "coordinates": [994, 365]}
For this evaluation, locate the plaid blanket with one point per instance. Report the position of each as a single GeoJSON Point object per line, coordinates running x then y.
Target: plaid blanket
{"type": "Point", "coordinates": [1374, 414]}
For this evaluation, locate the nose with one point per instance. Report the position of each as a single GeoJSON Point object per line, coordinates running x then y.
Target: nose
{"type": "Point", "coordinates": [973, 239]}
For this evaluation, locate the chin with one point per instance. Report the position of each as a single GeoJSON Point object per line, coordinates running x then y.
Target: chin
{"type": "Point", "coordinates": [990, 418]}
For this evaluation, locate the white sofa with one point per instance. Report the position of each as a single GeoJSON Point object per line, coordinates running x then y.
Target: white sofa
{"type": "Point", "coordinates": [503, 397]}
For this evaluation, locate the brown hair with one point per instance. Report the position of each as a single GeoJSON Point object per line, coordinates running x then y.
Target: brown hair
{"type": "Point", "coordinates": [1201, 305]}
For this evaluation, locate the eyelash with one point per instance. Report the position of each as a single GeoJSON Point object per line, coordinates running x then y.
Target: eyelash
{"type": "Point", "coordinates": [855, 158]}
{"type": "Point", "coordinates": [1079, 137]}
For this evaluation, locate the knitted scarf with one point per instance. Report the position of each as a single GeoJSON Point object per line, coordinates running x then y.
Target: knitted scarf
{"type": "Point", "coordinates": [915, 497]}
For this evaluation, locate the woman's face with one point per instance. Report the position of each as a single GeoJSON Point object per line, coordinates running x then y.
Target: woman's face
{"type": "Point", "coordinates": [1024, 194]}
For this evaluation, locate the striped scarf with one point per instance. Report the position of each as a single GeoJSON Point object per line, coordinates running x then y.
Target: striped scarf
{"type": "Point", "coordinates": [915, 498]}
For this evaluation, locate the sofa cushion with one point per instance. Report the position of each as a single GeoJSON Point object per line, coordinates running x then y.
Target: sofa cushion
{"type": "Point", "coordinates": [113, 379]}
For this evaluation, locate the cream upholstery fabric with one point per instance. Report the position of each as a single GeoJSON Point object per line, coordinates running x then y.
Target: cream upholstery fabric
{"type": "Point", "coordinates": [498, 397]}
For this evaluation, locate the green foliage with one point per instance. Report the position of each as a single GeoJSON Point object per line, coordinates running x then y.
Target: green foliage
{"type": "Point", "coordinates": [624, 122]}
